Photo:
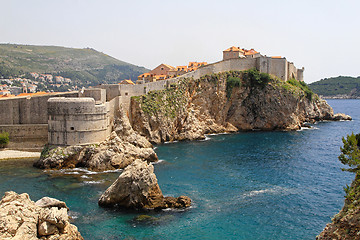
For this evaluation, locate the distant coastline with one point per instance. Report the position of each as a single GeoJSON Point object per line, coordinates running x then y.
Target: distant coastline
{"type": "Point", "coordinates": [340, 97]}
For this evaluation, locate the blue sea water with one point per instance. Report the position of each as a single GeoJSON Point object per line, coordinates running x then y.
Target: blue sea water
{"type": "Point", "coordinates": [252, 185]}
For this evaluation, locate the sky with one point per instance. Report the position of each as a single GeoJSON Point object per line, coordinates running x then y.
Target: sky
{"type": "Point", "coordinates": [322, 36]}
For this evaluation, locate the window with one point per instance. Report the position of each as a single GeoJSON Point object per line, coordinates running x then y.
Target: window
{"type": "Point", "coordinates": [72, 128]}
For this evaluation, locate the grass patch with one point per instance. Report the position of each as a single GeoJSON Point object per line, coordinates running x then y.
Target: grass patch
{"type": "Point", "coordinates": [4, 139]}
{"type": "Point", "coordinates": [303, 86]}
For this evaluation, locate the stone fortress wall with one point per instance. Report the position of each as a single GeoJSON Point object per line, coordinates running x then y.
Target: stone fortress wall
{"type": "Point", "coordinates": [87, 116]}
{"type": "Point", "coordinates": [278, 67]}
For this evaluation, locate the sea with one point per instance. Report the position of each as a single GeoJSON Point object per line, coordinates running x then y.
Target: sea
{"type": "Point", "coordinates": [248, 185]}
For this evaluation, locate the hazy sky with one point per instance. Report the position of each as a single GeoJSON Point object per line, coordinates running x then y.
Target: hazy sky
{"type": "Point", "coordinates": [322, 36]}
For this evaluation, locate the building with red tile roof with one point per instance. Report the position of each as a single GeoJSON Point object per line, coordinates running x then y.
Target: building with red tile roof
{"type": "Point", "coordinates": [127, 81]}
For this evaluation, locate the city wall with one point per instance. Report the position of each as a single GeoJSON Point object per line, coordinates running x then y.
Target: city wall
{"type": "Point", "coordinates": [279, 67]}
{"type": "Point", "coordinates": [26, 136]}
{"type": "Point", "coordinates": [27, 110]}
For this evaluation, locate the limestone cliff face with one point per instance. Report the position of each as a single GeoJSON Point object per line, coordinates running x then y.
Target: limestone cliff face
{"type": "Point", "coordinates": [346, 224]}
{"type": "Point", "coordinates": [224, 102]}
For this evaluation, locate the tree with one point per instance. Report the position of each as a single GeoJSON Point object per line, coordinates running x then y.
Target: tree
{"type": "Point", "coordinates": [350, 152]}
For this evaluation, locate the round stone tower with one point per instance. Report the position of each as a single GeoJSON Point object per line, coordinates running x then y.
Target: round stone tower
{"type": "Point", "coordinates": [74, 121]}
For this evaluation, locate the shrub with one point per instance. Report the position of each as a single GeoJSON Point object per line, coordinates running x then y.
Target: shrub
{"type": "Point", "coordinates": [350, 152]}
{"type": "Point", "coordinates": [4, 139]}
{"type": "Point", "coordinates": [256, 78]}
{"type": "Point", "coordinates": [232, 82]}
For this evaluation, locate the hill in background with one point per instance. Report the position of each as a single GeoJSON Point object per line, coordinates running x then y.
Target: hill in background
{"type": "Point", "coordinates": [83, 66]}
{"type": "Point", "coordinates": [337, 87]}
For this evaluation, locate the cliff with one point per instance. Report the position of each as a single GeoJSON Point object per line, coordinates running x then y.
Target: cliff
{"type": "Point", "coordinates": [225, 102]}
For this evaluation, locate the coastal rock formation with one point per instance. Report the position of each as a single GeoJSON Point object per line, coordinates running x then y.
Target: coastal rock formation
{"type": "Point", "coordinates": [137, 188]}
{"type": "Point", "coordinates": [121, 148]}
{"type": "Point", "coordinates": [341, 117]}
{"type": "Point", "coordinates": [225, 102]}
{"type": "Point", "coordinates": [345, 224]}
{"type": "Point", "coordinates": [21, 218]}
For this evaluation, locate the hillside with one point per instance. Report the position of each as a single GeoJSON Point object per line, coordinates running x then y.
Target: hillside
{"type": "Point", "coordinates": [339, 87]}
{"type": "Point", "coordinates": [84, 66]}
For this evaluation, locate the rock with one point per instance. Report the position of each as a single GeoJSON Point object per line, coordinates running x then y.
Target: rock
{"type": "Point", "coordinates": [119, 150]}
{"type": "Point", "coordinates": [47, 202]}
{"type": "Point", "coordinates": [137, 188]}
{"type": "Point", "coordinates": [21, 218]}
{"type": "Point", "coordinates": [341, 117]}
{"type": "Point", "coordinates": [180, 202]}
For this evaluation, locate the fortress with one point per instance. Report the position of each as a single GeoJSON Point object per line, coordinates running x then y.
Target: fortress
{"type": "Point", "coordinates": [87, 116]}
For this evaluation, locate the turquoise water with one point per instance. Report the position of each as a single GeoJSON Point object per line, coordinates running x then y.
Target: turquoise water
{"type": "Point", "coordinates": [255, 185]}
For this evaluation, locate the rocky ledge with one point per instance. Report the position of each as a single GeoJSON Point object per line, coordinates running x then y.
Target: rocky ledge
{"type": "Point", "coordinates": [137, 188]}
{"type": "Point", "coordinates": [47, 219]}
{"type": "Point", "coordinates": [122, 147]}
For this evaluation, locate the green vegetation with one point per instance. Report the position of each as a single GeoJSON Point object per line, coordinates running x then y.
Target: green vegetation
{"type": "Point", "coordinates": [350, 152]}
{"type": "Point", "coordinates": [84, 66]}
{"type": "Point", "coordinates": [4, 139]}
{"type": "Point", "coordinates": [350, 155]}
{"type": "Point", "coordinates": [337, 86]}
{"type": "Point", "coordinates": [303, 86]}
{"type": "Point", "coordinates": [256, 78]}
{"type": "Point", "coordinates": [167, 102]}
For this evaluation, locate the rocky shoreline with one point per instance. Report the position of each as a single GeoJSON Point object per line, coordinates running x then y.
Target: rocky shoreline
{"type": "Point", "coordinates": [47, 219]}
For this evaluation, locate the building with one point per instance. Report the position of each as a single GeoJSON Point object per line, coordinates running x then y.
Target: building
{"type": "Point", "coordinates": [237, 52]}
{"type": "Point", "coordinates": [127, 82]}
{"type": "Point", "coordinates": [164, 71]}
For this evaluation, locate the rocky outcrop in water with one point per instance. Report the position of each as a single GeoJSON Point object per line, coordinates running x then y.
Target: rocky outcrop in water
{"type": "Point", "coordinates": [122, 147]}
{"type": "Point", "coordinates": [225, 102]}
{"type": "Point", "coordinates": [47, 219]}
{"type": "Point", "coordinates": [137, 188]}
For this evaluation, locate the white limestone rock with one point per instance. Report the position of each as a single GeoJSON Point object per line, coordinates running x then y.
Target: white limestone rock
{"type": "Point", "coordinates": [21, 218]}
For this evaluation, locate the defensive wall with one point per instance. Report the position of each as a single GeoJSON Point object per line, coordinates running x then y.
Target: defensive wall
{"type": "Point", "coordinates": [278, 67]}
{"type": "Point", "coordinates": [27, 110]}
{"type": "Point", "coordinates": [88, 116]}
{"type": "Point", "coordinates": [26, 136]}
